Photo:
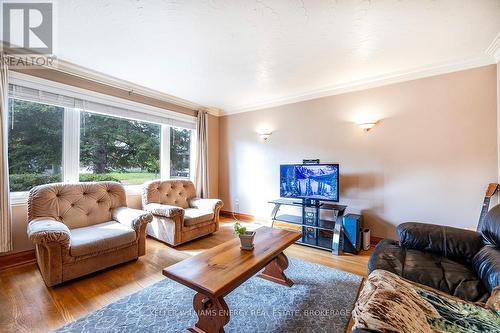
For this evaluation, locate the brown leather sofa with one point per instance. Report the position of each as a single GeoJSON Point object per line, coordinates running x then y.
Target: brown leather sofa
{"type": "Point", "coordinates": [178, 216]}
{"type": "Point", "coordinates": [82, 228]}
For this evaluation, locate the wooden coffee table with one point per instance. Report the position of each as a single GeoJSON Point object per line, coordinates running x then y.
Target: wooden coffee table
{"type": "Point", "coordinates": [216, 272]}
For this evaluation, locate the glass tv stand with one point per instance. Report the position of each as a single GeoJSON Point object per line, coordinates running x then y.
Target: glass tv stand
{"type": "Point", "coordinates": [317, 231]}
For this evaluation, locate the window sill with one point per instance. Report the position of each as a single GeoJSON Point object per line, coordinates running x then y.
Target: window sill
{"type": "Point", "coordinates": [21, 198]}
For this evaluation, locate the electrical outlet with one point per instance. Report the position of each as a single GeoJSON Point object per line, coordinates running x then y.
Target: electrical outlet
{"type": "Point", "coordinates": [237, 205]}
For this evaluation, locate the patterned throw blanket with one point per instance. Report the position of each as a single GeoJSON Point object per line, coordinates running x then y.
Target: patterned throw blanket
{"type": "Point", "coordinates": [389, 303]}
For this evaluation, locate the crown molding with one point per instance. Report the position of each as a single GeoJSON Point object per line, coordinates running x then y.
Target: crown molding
{"type": "Point", "coordinates": [368, 83]}
{"type": "Point", "coordinates": [494, 48]}
{"type": "Point", "coordinates": [89, 74]}
{"type": "Point", "coordinates": [214, 111]}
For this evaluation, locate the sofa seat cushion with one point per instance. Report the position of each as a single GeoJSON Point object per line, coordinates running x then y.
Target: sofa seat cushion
{"type": "Point", "coordinates": [100, 237]}
{"type": "Point", "coordinates": [428, 269]}
{"type": "Point", "coordinates": [194, 216]}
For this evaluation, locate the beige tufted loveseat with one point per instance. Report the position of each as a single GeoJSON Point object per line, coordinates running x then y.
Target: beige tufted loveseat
{"type": "Point", "coordinates": [82, 228]}
{"type": "Point", "coordinates": [178, 215]}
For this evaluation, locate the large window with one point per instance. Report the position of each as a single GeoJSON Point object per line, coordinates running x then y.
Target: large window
{"type": "Point", "coordinates": [61, 138]}
{"type": "Point", "coordinates": [35, 144]}
{"type": "Point", "coordinates": [118, 149]}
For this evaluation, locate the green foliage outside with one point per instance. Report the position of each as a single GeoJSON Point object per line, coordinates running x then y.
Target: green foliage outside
{"type": "Point", "coordinates": [92, 177]}
{"type": "Point", "coordinates": [109, 144]}
{"type": "Point", "coordinates": [180, 144]}
{"type": "Point", "coordinates": [111, 148]}
{"type": "Point", "coordinates": [126, 178]}
{"type": "Point", "coordinates": [25, 181]}
{"type": "Point", "coordinates": [35, 138]}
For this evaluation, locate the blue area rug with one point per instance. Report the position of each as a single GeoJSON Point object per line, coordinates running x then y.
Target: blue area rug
{"type": "Point", "coordinates": [321, 300]}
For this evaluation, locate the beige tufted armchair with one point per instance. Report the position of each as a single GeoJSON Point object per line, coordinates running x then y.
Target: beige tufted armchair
{"type": "Point", "coordinates": [178, 216]}
{"type": "Point", "coordinates": [82, 228]}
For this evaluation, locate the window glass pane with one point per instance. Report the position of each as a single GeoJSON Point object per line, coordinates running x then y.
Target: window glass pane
{"type": "Point", "coordinates": [180, 152]}
{"type": "Point", "coordinates": [118, 149]}
{"type": "Point", "coordinates": [35, 144]}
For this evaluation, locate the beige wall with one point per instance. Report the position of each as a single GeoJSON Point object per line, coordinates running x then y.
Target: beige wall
{"type": "Point", "coordinates": [19, 223]}
{"type": "Point", "coordinates": [498, 122]}
{"type": "Point", "coordinates": [429, 159]}
{"type": "Point", "coordinates": [213, 156]}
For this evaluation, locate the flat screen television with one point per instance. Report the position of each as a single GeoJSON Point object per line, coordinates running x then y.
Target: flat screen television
{"type": "Point", "coordinates": [310, 181]}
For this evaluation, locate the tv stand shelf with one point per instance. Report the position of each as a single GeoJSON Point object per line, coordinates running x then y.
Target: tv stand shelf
{"type": "Point", "coordinates": [295, 219]}
{"type": "Point", "coordinates": [316, 231]}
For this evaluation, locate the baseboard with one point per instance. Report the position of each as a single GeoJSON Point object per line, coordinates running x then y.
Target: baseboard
{"type": "Point", "coordinates": [375, 240]}
{"type": "Point", "coordinates": [16, 259]}
{"type": "Point", "coordinates": [239, 216]}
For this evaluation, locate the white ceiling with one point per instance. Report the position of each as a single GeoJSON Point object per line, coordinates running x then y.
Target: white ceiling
{"type": "Point", "coordinates": [241, 55]}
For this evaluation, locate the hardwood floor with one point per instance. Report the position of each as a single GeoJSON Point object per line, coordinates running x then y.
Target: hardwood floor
{"type": "Point", "coordinates": [27, 305]}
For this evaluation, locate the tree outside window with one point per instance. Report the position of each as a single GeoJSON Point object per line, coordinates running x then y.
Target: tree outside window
{"type": "Point", "coordinates": [35, 144]}
{"type": "Point", "coordinates": [111, 148]}
{"type": "Point", "coordinates": [180, 148]}
{"type": "Point", "coordinates": [118, 149]}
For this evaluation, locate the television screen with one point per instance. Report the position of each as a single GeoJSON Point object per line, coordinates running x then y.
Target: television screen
{"type": "Point", "coordinates": [310, 181]}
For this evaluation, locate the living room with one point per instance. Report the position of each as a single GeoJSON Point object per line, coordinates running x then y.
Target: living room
{"type": "Point", "coordinates": [268, 166]}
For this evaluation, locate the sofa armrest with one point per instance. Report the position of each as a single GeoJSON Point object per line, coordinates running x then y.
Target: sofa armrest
{"type": "Point", "coordinates": [164, 210]}
{"type": "Point", "coordinates": [46, 230]}
{"type": "Point", "coordinates": [487, 266]}
{"type": "Point", "coordinates": [206, 204]}
{"type": "Point", "coordinates": [131, 217]}
{"type": "Point", "coordinates": [457, 244]}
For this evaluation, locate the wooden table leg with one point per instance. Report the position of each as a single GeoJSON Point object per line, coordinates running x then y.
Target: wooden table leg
{"type": "Point", "coordinates": [213, 314]}
{"type": "Point", "coordinates": [274, 271]}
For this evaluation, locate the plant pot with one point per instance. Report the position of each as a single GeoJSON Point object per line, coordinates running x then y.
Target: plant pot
{"type": "Point", "coordinates": [246, 240]}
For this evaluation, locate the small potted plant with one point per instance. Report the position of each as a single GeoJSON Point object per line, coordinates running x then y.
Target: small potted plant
{"type": "Point", "coordinates": [246, 237]}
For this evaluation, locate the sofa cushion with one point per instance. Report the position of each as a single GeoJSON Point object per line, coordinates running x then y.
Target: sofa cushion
{"type": "Point", "coordinates": [428, 269]}
{"type": "Point", "coordinates": [453, 243]}
{"type": "Point", "coordinates": [164, 210]}
{"type": "Point", "coordinates": [388, 256]}
{"type": "Point", "coordinates": [193, 216]}
{"type": "Point", "coordinates": [176, 192]}
{"type": "Point", "coordinates": [76, 205]}
{"type": "Point", "coordinates": [100, 237]}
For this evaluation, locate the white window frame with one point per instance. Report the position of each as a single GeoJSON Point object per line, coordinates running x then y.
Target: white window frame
{"type": "Point", "coordinates": [165, 152]}
{"type": "Point", "coordinates": [192, 156]}
{"type": "Point", "coordinates": [71, 146]}
{"type": "Point", "coordinates": [71, 128]}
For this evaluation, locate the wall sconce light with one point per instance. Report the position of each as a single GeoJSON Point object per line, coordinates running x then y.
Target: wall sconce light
{"type": "Point", "coordinates": [367, 126]}
{"type": "Point", "coordinates": [264, 131]}
{"type": "Point", "coordinates": [265, 136]}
